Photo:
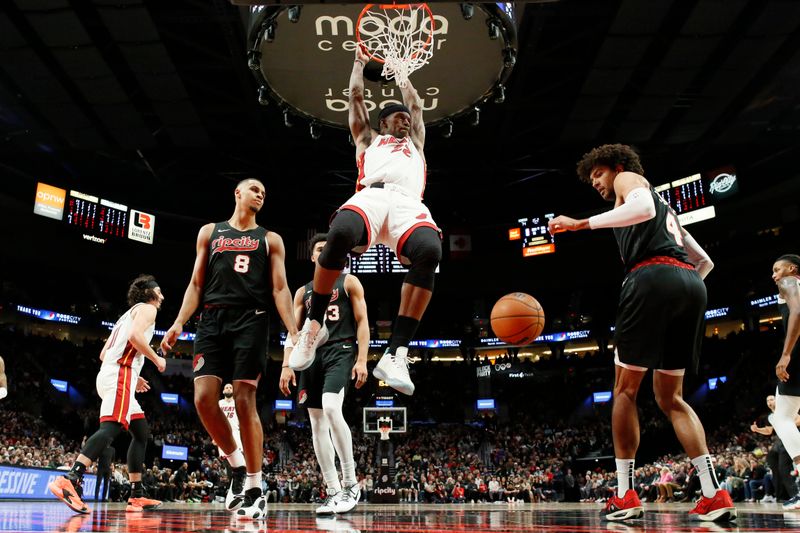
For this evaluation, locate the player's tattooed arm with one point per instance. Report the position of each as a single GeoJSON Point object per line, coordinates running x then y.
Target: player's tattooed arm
{"type": "Point", "coordinates": [697, 256]}
{"type": "Point", "coordinates": [413, 102]}
{"type": "Point", "coordinates": [358, 116]}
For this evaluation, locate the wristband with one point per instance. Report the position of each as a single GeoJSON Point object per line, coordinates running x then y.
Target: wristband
{"type": "Point", "coordinates": [359, 62]}
{"type": "Point", "coordinates": [285, 366]}
{"type": "Point", "coordinates": [3, 392]}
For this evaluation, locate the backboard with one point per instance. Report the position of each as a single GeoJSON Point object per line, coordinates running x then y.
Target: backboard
{"type": "Point", "coordinates": [372, 414]}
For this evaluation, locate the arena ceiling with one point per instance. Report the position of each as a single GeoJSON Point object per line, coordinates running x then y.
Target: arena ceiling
{"type": "Point", "coordinates": [152, 103]}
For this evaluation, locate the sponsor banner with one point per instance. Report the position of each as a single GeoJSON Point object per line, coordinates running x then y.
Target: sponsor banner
{"type": "Point", "coordinates": [51, 316]}
{"type": "Point", "coordinates": [49, 201]}
{"type": "Point", "coordinates": [17, 482]}
{"type": "Point", "coordinates": [142, 227]}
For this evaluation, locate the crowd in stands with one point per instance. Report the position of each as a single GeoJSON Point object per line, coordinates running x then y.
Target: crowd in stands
{"type": "Point", "coordinates": [550, 445]}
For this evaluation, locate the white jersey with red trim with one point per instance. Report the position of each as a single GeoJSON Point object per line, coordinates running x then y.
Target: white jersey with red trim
{"type": "Point", "coordinates": [229, 410]}
{"type": "Point", "coordinates": [392, 160]}
{"type": "Point", "coordinates": [120, 351]}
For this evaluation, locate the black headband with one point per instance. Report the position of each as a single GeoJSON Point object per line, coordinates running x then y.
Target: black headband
{"type": "Point", "coordinates": [394, 108]}
{"type": "Point", "coordinates": [150, 284]}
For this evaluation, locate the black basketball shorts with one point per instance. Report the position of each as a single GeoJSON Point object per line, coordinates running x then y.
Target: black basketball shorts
{"type": "Point", "coordinates": [231, 343]}
{"type": "Point", "coordinates": [330, 372]}
{"type": "Point", "coordinates": [660, 318]}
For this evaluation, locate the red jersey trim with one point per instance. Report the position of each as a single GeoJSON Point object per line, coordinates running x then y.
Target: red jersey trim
{"type": "Point", "coordinates": [663, 260]}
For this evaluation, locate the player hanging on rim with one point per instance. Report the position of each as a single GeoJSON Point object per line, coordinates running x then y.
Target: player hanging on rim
{"type": "Point", "coordinates": [323, 384]}
{"type": "Point", "coordinates": [239, 268]}
{"type": "Point", "coordinates": [387, 208]}
{"type": "Point", "coordinates": [123, 357]}
{"type": "Point", "coordinates": [659, 320]}
{"type": "Point", "coordinates": [786, 274]}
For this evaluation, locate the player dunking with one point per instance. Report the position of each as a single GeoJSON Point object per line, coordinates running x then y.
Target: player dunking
{"type": "Point", "coordinates": [123, 356]}
{"type": "Point", "coordinates": [659, 320]}
{"type": "Point", "coordinates": [387, 208]}
{"type": "Point", "coordinates": [323, 384]}
{"type": "Point", "coordinates": [786, 274]}
{"type": "Point", "coordinates": [239, 268]}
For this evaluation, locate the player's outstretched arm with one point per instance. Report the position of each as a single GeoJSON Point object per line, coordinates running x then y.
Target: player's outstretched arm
{"type": "Point", "coordinates": [280, 288]}
{"type": "Point", "coordinates": [788, 290]}
{"type": "Point", "coordinates": [637, 206]}
{"type": "Point", "coordinates": [356, 292]}
{"type": "Point", "coordinates": [287, 374]}
{"type": "Point", "coordinates": [3, 380]}
{"type": "Point", "coordinates": [358, 116]}
{"type": "Point", "coordinates": [143, 318]}
{"type": "Point", "coordinates": [194, 291]}
{"type": "Point", "coordinates": [413, 102]}
{"type": "Point", "coordinates": [697, 256]}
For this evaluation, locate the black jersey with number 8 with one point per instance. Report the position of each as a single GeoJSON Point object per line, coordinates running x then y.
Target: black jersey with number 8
{"type": "Point", "coordinates": [659, 236]}
{"type": "Point", "coordinates": [238, 270]}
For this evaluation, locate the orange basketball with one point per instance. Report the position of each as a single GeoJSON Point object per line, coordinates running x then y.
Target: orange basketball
{"type": "Point", "coordinates": [517, 318]}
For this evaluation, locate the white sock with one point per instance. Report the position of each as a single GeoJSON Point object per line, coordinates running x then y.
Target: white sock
{"type": "Point", "coordinates": [253, 481]}
{"type": "Point", "coordinates": [323, 448]}
{"type": "Point", "coordinates": [349, 474]}
{"type": "Point", "coordinates": [236, 459]}
{"type": "Point", "coordinates": [624, 476]}
{"type": "Point", "coordinates": [708, 478]}
{"type": "Point", "coordinates": [3, 392]}
{"type": "Point", "coordinates": [340, 434]}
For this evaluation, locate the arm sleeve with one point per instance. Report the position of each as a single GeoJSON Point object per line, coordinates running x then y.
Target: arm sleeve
{"type": "Point", "coordinates": [638, 207]}
{"type": "Point", "coordinates": [697, 256]}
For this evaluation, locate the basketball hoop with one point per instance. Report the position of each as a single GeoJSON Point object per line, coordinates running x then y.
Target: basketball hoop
{"type": "Point", "coordinates": [385, 432]}
{"type": "Point", "coordinates": [400, 36]}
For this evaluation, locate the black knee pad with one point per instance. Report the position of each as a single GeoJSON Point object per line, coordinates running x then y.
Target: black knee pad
{"type": "Point", "coordinates": [101, 439]}
{"type": "Point", "coordinates": [424, 250]}
{"type": "Point", "coordinates": [347, 231]}
{"type": "Point", "coordinates": [140, 432]}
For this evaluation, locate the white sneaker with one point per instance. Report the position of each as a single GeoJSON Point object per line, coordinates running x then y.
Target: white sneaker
{"type": "Point", "coordinates": [329, 504]}
{"type": "Point", "coordinates": [768, 499]}
{"type": "Point", "coordinates": [235, 496]}
{"type": "Point", "coordinates": [393, 369]}
{"type": "Point", "coordinates": [348, 499]}
{"type": "Point", "coordinates": [311, 336]}
{"type": "Point", "coordinates": [254, 506]}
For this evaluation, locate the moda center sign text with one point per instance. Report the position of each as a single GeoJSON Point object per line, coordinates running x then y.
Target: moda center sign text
{"type": "Point", "coordinates": [306, 65]}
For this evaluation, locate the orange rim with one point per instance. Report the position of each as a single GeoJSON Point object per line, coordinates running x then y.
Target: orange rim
{"type": "Point", "coordinates": [385, 7]}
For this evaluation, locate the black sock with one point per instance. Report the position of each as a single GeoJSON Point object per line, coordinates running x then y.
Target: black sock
{"type": "Point", "coordinates": [319, 304]}
{"type": "Point", "coordinates": [404, 329]}
{"type": "Point", "coordinates": [137, 490]}
{"type": "Point", "coordinates": [77, 470]}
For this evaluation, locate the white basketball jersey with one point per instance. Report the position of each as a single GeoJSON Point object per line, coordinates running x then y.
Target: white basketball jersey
{"type": "Point", "coordinates": [392, 160]}
{"type": "Point", "coordinates": [229, 410]}
{"type": "Point", "coordinates": [120, 351]}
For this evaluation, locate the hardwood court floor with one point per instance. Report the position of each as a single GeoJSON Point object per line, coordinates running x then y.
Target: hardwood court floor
{"type": "Point", "coordinates": [405, 518]}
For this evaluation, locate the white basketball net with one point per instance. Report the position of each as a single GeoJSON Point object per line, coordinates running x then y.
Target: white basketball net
{"type": "Point", "coordinates": [401, 37]}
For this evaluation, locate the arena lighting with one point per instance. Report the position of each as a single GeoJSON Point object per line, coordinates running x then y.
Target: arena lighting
{"type": "Point", "coordinates": [254, 60]}
{"type": "Point", "coordinates": [447, 132]}
{"type": "Point", "coordinates": [713, 383]}
{"type": "Point", "coordinates": [500, 94]}
{"type": "Point", "coordinates": [284, 405]}
{"type": "Point", "coordinates": [315, 131]}
{"type": "Point", "coordinates": [486, 403]}
{"type": "Point", "coordinates": [384, 403]}
{"type": "Point", "coordinates": [509, 57]}
{"type": "Point", "coordinates": [294, 14]}
{"type": "Point", "coordinates": [169, 398]}
{"type": "Point", "coordinates": [467, 10]}
{"type": "Point", "coordinates": [601, 397]}
{"type": "Point", "coordinates": [476, 117]}
{"type": "Point", "coordinates": [263, 95]}
{"type": "Point", "coordinates": [287, 118]}
{"type": "Point", "coordinates": [59, 385]}
{"type": "Point", "coordinates": [494, 29]}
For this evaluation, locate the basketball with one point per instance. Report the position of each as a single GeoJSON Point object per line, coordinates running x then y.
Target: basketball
{"type": "Point", "coordinates": [517, 318]}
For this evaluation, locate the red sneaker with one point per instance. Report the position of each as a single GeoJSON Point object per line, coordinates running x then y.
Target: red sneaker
{"type": "Point", "coordinates": [623, 508]}
{"type": "Point", "coordinates": [717, 509]}
{"type": "Point", "coordinates": [137, 505]}
{"type": "Point", "coordinates": [68, 492]}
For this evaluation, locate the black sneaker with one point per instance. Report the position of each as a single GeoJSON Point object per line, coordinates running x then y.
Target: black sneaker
{"type": "Point", "coordinates": [254, 506]}
{"type": "Point", "coordinates": [235, 497]}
